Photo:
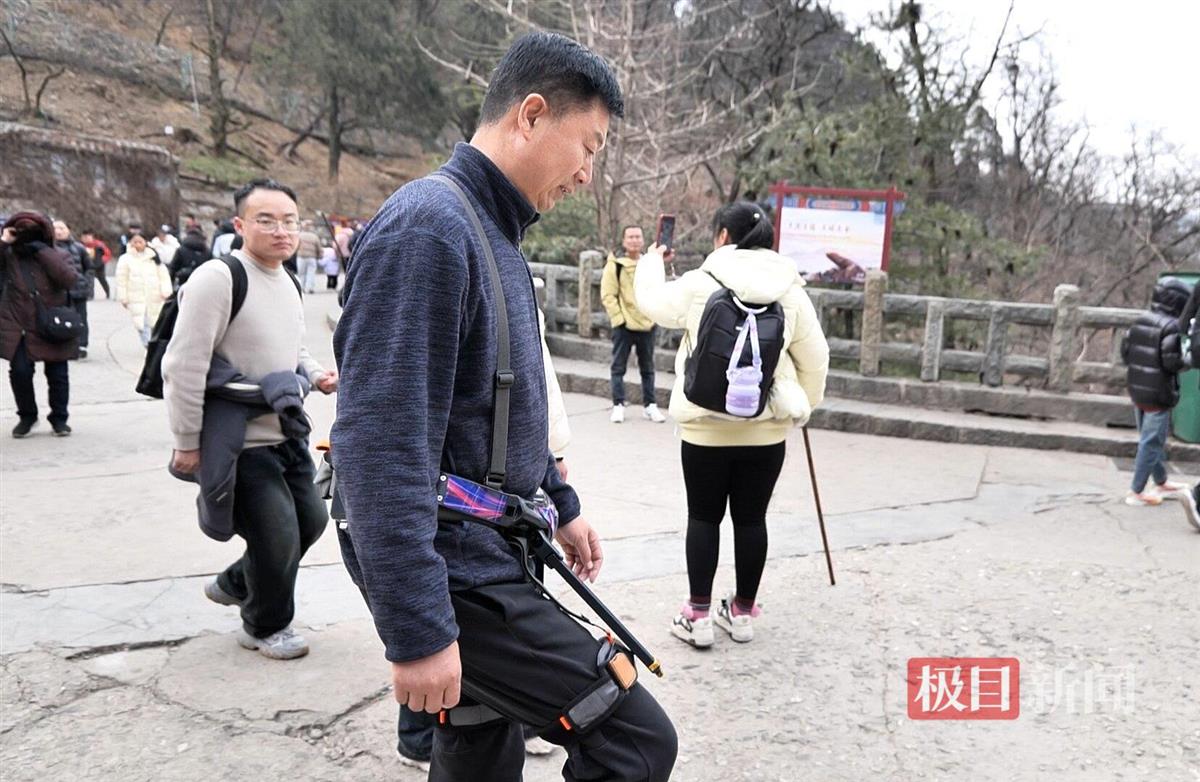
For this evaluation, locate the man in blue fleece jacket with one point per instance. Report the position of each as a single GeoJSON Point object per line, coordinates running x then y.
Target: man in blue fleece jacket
{"type": "Point", "coordinates": [417, 352]}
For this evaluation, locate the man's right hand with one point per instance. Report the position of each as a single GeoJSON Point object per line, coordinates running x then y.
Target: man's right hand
{"type": "Point", "coordinates": [430, 684]}
{"type": "Point", "coordinates": [186, 462]}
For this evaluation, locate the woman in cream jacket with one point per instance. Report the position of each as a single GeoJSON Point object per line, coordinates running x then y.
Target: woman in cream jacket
{"type": "Point", "coordinates": [143, 284]}
{"type": "Point", "coordinates": [726, 459]}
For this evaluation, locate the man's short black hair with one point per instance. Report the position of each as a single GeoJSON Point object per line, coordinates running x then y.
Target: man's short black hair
{"type": "Point", "coordinates": [564, 72]}
{"type": "Point", "coordinates": [240, 195]}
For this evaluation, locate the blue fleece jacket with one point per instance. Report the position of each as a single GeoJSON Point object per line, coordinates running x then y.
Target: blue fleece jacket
{"type": "Point", "coordinates": [416, 350]}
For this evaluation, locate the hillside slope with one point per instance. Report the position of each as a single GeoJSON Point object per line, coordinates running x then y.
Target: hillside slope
{"type": "Point", "coordinates": [118, 83]}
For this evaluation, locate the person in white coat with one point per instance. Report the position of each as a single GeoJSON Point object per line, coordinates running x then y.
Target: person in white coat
{"type": "Point", "coordinates": [143, 284]}
{"type": "Point", "coordinates": [730, 460]}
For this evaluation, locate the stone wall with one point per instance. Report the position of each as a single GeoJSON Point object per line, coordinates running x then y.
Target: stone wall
{"type": "Point", "coordinates": [89, 181]}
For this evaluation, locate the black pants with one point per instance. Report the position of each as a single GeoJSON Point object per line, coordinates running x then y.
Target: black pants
{"type": "Point", "coordinates": [20, 377]}
{"type": "Point", "coordinates": [103, 280]}
{"type": "Point", "coordinates": [744, 478]}
{"type": "Point", "coordinates": [80, 306]}
{"type": "Point", "coordinates": [519, 652]}
{"type": "Point", "coordinates": [331, 282]}
{"type": "Point", "coordinates": [623, 339]}
{"type": "Point", "coordinates": [278, 512]}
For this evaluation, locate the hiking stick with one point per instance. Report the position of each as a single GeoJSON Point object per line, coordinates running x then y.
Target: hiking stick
{"type": "Point", "coordinates": [812, 473]}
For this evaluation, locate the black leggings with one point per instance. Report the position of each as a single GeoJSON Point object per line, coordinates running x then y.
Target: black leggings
{"type": "Point", "coordinates": [743, 477]}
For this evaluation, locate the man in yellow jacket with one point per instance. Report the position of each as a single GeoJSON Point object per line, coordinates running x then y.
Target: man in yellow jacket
{"type": "Point", "coordinates": [630, 328]}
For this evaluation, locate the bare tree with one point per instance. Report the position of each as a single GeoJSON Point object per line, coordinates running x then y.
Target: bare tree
{"type": "Point", "coordinates": [32, 106]}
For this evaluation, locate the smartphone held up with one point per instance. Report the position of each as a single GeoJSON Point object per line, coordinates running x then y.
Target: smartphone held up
{"type": "Point", "coordinates": [664, 236]}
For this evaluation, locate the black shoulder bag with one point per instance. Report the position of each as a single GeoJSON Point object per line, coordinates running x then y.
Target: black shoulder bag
{"type": "Point", "coordinates": [53, 324]}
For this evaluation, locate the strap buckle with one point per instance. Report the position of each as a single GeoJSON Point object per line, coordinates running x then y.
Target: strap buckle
{"type": "Point", "coordinates": [505, 378]}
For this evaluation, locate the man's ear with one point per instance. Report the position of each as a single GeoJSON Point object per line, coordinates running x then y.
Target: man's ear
{"type": "Point", "coordinates": [532, 110]}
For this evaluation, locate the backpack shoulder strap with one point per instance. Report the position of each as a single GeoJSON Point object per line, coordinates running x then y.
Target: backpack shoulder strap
{"type": "Point", "coordinates": [240, 283]}
{"type": "Point", "coordinates": [504, 374]}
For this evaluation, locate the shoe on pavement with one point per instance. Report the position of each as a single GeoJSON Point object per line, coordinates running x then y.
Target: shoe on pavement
{"type": "Point", "coordinates": [1168, 490]}
{"type": "Point", "coordinates": [687, 627]}
{"type": "Point", "coordinates": [214, 592]}
{"type": "Point", "coordinates": [1191, 505]}
{"type": "Point", "coordinates": [23, 427]}
{"type": "Point", "coordinates": [618, 414]}
{"type": "Point", "coordinates": [651, 412]}
{"type": "Point", "coordinates": [286, 644]}
{"type": "Point", "coordinates": [739, 626]}
{"type": "Point", "coordinates": [1144, 499]}
{"type": "Point", "coordinates": [536, 745]}
{"type": "Point", "coordinates": [412, 762]}
{"type": "Point", "coordinates": [61, 430]}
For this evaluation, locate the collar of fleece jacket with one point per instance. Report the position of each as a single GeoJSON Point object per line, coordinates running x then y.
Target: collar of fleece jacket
{"type": "Point", "coordinates": [480, 177]}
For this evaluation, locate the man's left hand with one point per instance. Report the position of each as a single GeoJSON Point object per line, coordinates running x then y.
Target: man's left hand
{"type": "Point", "coordinates": [329, 383]}
{"type": "Point", "coordinates": [581, 545]}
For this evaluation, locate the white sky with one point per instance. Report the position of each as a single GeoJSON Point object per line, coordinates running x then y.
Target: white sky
{"type": "Point", "coordinates": [1117, 63]}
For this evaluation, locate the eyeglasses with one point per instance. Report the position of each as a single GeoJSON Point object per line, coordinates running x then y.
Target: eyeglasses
{"type": "Point", "coordinates": [267, 225]}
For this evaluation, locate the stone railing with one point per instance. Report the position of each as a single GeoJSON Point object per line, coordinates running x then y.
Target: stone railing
{"type": "Point", "coordinates": [572, 298]}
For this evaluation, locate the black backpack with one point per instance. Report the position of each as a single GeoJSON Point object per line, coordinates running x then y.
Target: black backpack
{"type": "Point", "coordinates": [705, 383]}
{"type": "Point", "coordinates": [150, 383]}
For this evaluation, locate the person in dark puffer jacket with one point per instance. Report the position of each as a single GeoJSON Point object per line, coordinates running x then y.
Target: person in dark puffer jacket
{"type": "Point", "coordinates": [1189, 323]}
{"type": "Point", "coordinates": [1153, 352]}
{"type": "Point", "coordinates": [192, 252]}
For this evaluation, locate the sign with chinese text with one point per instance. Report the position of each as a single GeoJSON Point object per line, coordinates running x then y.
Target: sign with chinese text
{"type": "Point", "coordinates": [835, 235]}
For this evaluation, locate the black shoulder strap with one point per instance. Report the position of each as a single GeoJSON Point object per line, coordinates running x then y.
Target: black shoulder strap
{"type": "Point", "coordinates": [504, 374]}
{"type": "Point", "coordinates": [241, 282]}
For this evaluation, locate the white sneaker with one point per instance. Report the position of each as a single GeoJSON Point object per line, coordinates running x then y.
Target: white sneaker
{"type": "Point", "coordinates": [697, 632]}
{"type": "Point", "coordinates": [618, 414]}
{"type": "Point", "coordinates": [741, 627]}
{"type": "Point", "coordinates": [1144, 499]}
{"type": "Point", "coordinates": [1168, 490]}
{"type": "Point", "coordinates": [1190, 500]}
{"type": "Point", "coordinates": [651, 411]}
{"type": "Point", "coordinates": [287, 644]}
{"type": "Point", "coordinates": [405, 760]}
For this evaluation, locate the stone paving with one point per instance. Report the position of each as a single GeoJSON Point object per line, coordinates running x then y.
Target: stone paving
{"type": "Point", "coordinates": [115, 667]}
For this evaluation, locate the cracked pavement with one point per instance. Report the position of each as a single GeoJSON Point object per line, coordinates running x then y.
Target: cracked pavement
{"type": "Point", "coordinates": [114, 666]}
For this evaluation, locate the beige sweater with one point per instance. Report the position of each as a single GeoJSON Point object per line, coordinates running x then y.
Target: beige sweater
{"type": "Point", "coordinates": [266, 336]}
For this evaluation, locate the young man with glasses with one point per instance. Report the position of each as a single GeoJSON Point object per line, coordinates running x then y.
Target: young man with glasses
{"type": "Point", "coordinates": [275, 508]}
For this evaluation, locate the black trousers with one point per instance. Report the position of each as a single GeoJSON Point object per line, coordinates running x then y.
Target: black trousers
{"type": "Point", "coordinates": [103, 280]}
{"type": "Point", "coordinates": [518, 648]}
{"type": "Point", "coordinates": [80, 306]}
{"type": "Point", "coordinates": [643, 341]}
{"type": "Point", "coordinates": [742, 477]}
{"type": "Point", "coordinates": [20, 377]}
{"type": "Point", "coordinates": [521, 654]}
{"type": "Point", "coordinates": [278, 512]}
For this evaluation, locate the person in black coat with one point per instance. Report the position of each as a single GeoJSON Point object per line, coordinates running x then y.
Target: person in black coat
{"type": "Point", "coordinates": [82, 291]}
{"type": "Point", "coordinates": [1153, 353]}
{"type": "Point", "coordinates": [192, 252]}
{"type": "Point", "coordinates": [1189, 323]}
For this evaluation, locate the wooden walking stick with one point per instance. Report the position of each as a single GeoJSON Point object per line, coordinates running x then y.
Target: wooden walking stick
{"type": "Point", "coordinates": [812, 473]}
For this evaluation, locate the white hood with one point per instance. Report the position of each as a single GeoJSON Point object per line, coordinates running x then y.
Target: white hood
{"type": "Point", "coordinates": [755, 276]}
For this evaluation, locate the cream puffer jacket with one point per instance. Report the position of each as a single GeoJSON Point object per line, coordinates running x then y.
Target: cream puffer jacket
{"type": "Point", "coordinates": [142, 285]}
{"type": "Point", "coordinates": [755, 276]}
